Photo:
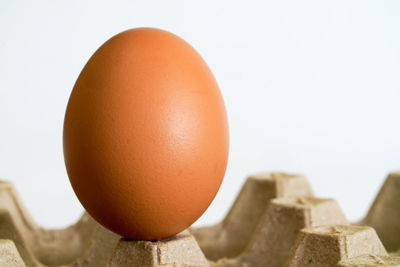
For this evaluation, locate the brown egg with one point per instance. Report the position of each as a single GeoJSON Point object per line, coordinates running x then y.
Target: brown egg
{"type": "Point", "coordinates": [146, 135]}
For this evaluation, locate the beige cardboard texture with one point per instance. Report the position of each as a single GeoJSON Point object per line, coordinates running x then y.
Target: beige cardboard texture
{"type": "Point", "coordinates": [274, 221]}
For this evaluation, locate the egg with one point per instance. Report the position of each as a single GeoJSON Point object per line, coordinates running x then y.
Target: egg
{"type": "Point", "coordinates": [145, 135]}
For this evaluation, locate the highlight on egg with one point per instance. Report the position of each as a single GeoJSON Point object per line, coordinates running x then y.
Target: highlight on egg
{"type": "Point", "coordinates": [146, 135]}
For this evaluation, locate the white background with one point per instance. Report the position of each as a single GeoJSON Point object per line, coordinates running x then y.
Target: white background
{"type": "Point", "coordinates": [311, 87]}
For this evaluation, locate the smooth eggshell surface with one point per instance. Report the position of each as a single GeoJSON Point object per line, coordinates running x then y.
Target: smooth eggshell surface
{"type": "Point", "coordinates": [146, 135]}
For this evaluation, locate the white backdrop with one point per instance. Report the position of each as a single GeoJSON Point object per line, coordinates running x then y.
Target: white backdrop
{"type": "Point", "coordinates": [310, 87]}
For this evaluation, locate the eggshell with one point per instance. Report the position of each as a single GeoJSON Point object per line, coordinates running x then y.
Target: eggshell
{"type": "Point", "coordinates": [146, 135]}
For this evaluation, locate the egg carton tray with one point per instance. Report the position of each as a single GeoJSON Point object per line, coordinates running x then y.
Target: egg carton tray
{"type": "Point", "coordinates": [275, 221]}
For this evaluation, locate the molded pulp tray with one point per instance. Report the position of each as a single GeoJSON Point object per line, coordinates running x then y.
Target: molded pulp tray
{"type": "Point", "coordinates": [275, 221]}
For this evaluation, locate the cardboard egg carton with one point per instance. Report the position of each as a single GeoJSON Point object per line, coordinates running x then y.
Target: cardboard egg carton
{"type": "Point", "coordinates": [275, 221]}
